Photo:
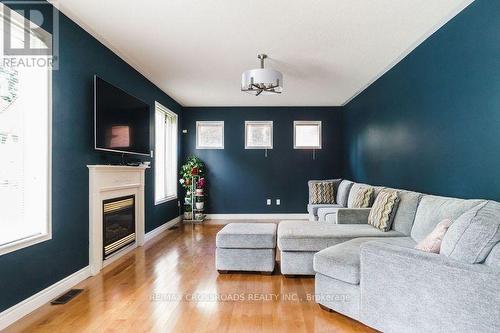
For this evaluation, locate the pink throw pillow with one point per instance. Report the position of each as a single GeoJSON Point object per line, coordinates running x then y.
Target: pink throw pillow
{"type": "Point", "coordinates": [432, 243]}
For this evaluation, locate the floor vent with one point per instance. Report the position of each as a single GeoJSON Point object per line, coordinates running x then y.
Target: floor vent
{"type": "Point", "coordinates": [173, 227]}
{"type": "Point", "coordinates": [66, 297]}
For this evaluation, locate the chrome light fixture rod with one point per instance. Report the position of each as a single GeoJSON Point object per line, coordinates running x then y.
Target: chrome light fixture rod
{"type": "Point", "coordinates": [262, 81]}
{"type": "Point", "coordinates": [262, 56]}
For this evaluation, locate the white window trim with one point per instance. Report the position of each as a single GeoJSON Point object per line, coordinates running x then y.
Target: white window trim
{"type": "Point", "coordinates": [253, 122]}
{"type": "Point", "coordinates": [167, 199]}
{"type": "Point", "coordinates": [39, 238]}
{"type": "Point", "coordinates": [212, 123]}
{"type": "Point", "coordinates": [307, 122]}
{"type": "Point", "coordinates": [176, 195]}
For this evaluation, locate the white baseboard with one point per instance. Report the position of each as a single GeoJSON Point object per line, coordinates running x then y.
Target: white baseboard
{"type": "Point", "coordinates": [16, 312]}
{"type": "Point", "coordinates": [155, 232]}
{"type": "Point", "coordinates": [257, 217]}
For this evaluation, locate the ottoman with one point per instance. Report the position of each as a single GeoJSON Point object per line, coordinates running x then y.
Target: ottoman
{"type": "Point", "coordinates": [246, 247]}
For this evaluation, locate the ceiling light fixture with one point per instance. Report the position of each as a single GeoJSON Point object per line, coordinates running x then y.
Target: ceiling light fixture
{"type": "Point", "coordinates": [262, 80]}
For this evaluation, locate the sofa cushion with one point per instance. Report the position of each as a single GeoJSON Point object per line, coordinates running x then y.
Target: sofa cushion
{"type": "Point", "coordinates": [407, 209]}
{"type": "Point", "coordinates": [384, 209]}
{"type": "Point", "coordinates": [247, 236]}
{"type": "Point", "coordinates": [343, 192]}
{"type": "Point", "coordinates": [362, 197]}
{"type": "Point", "coordinates": [351, 215]}
{"type": "Point", "coordinates": [324, 211]}
{"type": "Point", "coordinates": [472, 236]}
{"type": "Point", "coordinates": [343, 215]}
{"type": "Point", "coordinates": [313, 209]}
{"type": "Point", "coordinates": [323, 191]}
{"type": "Point", "coordinates": [433, 209]}
{"type": "Point", "coordinates": [493, 259]}
{"type": "Point", "coordinates": [342, 261]}
{"type": "Point", "coordinates": [314, 236]}
{"type": "Point", "coordinates": [331, 218]}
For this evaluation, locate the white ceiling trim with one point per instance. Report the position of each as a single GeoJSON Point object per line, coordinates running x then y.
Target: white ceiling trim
{"type": "Point", "coordinates": [403, 55]}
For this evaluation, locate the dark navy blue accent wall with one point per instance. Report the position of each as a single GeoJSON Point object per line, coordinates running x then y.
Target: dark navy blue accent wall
{"type": "Point", "coordinates": [241, 180]}
{"type": "Point", "coordinates": [27, 271]}
{"type": "Point", "coordinates": [432, 123]}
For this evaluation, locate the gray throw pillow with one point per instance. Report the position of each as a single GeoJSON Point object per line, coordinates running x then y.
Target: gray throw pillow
{"type": "Point", "coordinates": [472, 236]}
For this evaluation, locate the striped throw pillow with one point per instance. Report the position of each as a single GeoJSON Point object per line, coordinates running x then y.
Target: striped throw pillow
{"type": "Point", "coordinates": [384, 209]}
{"type": "Point", "coordinates": [363, 198]}
{"type": "Point", "coordinates": [323, 193]}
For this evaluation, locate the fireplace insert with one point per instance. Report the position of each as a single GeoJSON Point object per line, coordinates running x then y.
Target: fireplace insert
{"type": "Point", "coordinates": [118, 224]}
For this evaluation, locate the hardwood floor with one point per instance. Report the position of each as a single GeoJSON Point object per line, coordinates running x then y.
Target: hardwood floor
{"type": "Point", "coordinates": [152, 288]}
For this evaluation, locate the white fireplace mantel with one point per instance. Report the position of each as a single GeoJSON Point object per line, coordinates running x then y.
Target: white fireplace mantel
{"type": "Point", "coordinates": [107, 182]}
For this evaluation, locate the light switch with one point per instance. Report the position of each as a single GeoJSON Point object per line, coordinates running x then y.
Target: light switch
{"type": "Point", "coordinates": [269, 202]}
{"type": "Point", "coordinates": [278, 202]}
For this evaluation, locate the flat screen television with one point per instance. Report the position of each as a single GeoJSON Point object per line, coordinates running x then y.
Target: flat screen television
{"type": "Point", "coordinates": [121, 121]}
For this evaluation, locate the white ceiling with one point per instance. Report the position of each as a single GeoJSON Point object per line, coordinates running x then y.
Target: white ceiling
{"type": "Point", "coordinates": [327, 50]}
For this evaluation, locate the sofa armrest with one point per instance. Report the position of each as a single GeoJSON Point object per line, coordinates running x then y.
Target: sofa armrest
{"type": "Point", "coordinates": [353, 215]}
{"type": "Point", "coordinates": [403, 289]}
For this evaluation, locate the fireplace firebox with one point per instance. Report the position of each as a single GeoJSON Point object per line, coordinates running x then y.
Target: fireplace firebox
{"type": "Point", "coordinates": [118, 224]}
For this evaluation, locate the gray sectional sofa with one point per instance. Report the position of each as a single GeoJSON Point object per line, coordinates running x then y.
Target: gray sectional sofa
{"type": "Point", "coordinates": [380, 279]}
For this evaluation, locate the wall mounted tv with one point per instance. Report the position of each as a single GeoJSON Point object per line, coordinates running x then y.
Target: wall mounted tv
{"type": "Point", "coordinates": [121, 121]}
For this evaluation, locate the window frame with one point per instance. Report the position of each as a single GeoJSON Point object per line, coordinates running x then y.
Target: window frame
{"type": "Point", "coordinates": [212, 123]}
{"type": "Point", "coordinates": [161, 108]}
{"type": "Point", "coordinates": [259, 122]}
{"type": "Point", "coordinates": [47, 235]}
{"type": "Point", "coordinates": [307, 122]}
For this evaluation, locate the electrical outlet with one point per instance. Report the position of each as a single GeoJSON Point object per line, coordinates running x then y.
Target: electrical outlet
{"type": "Point", "coordinates": [184, 131]}
{"type": "Point", "coordinates": [278, 202]}
{"type": "Point", "coordinates": [269, 202]}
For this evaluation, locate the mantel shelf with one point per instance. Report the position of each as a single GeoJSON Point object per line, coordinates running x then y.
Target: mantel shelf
{"type": "Point", "coordinates": [116, 167]}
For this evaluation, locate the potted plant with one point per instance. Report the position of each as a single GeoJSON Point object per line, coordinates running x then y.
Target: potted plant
{"type": "Point", "coordinates": [193, 167]}
{"type": "Point", "coordinates": [199, 203]}
{"type": "Point", "coordinates": [200, 185]}
{"type": "Point", "coordinates": [187, 198]}
{"type": "Point", "coordinates": [188, 214]}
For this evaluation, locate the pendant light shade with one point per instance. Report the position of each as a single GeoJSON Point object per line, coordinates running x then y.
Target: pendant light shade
{"type": "Point", "coordinates": [262, 81]}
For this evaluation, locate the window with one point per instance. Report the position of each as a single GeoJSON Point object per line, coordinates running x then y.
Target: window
{"type": "Point", "coordinates": [258, 135]}
{"type": "Point", "coordinates": [165, 154]}
{"type": "Point", "coordinates": [307, 134]}
{"type": "Point", "coordinates": [25, 133]}
{"type": "Point", "coordinates": [209, 135]}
